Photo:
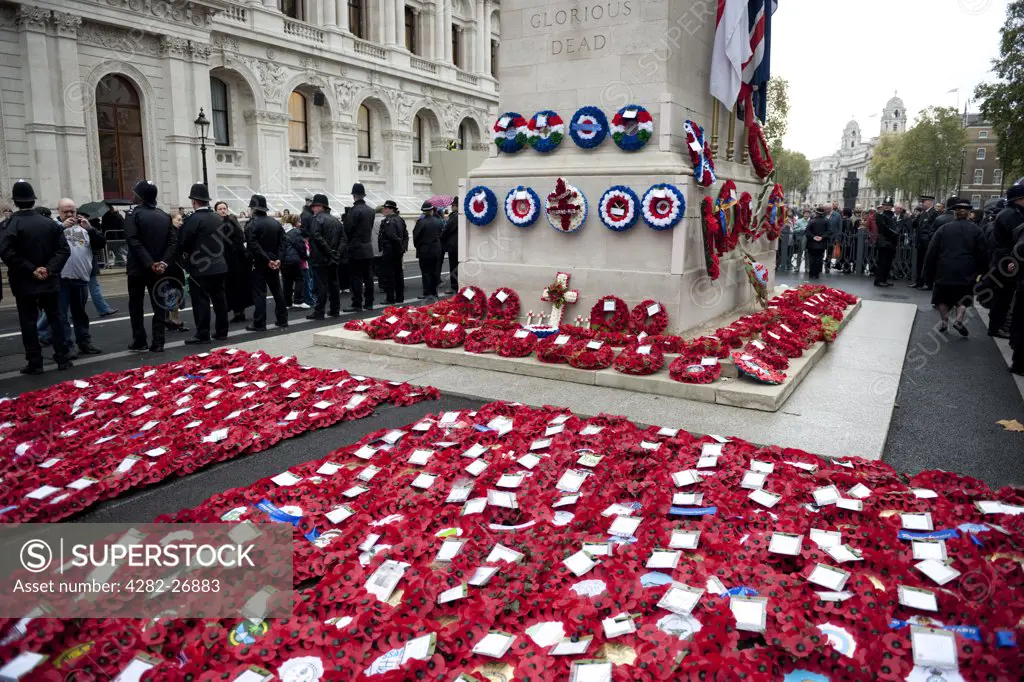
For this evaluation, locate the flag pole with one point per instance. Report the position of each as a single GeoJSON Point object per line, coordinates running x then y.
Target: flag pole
{"type": "Point", "coordinates": [730, 149]}
{"type": "Point", "coordinates": [714, 127]}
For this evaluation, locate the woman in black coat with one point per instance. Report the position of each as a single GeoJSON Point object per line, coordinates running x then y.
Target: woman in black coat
{"type": "Point", "coordinates": [239, 284]}
{"type": "Point", "coordinates": [957, 255]}
{"type": "Point", "coordinates": [817, 240]}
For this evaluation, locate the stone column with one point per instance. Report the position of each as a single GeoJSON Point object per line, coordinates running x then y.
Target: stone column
{"type": "Point", "coordinates": [71, 111]}
{"type": "Point", "coordinates": [341, 14]}
{"type": "Point", "coordinates": [181, 155]}
{"type": "Point", "coordinates": [270, 4]}
{"type": "Point", "coordinates": [40, 75]}
{"type": "Point", "coordinates": [480, 38]}
{"type": "Point", "coordinates": [329, 17]}
{"type": "Point", "coordinates": [200, 79]}
{"type": "Point", "coordinates": [399, 22]}
{"type": "Point", "coordinates": [438, 15]}
{"type": "Point", "coordinates": [487, 37]}
{"type": "Point", "coordinates": [339, 150]}
{"type": "Point", "coordinates": [388, 23]}
{"type": "Point", "coordinates": [271, 163]}
{"type": "Point", "coordinates": [398, 158]}
{"type": "Point", "coordinates": [447, 26]}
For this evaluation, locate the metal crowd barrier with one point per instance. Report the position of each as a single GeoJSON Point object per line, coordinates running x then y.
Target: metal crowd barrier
{"type": "Point", "coordinates": [115, 253]}
{"type": "Point", "coordinates": [857, 254]}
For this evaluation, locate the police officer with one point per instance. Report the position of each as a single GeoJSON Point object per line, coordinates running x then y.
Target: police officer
{"type": "Point", "coordinates": [152, 247]}
{"type": "Point", "coordinates": [264, 237]}
{"type": "Point", "coordinates": [888, 238]}
{"type": "Point", "coordinates": [35, 251]}
{"type": "Point", "coordinates": [359, 233]}
{"type": "Point", "coordinates": [1004, 277]}
{"type": "Point", "coordinates": [426, 237]}
{"type": "Point", "coordinates": [327, 246]}
{"type": "Point", "coordinates": [205, 238]}
{"type": "Point", "coordinates": [393, 241]}
{"type": "Point", "coordinates": [924, 229]}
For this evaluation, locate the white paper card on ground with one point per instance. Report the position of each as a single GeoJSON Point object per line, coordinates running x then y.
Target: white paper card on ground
{"type": "Point", "coordinates": [474, 506]}
{"type": "Point", "coordinates": [929, 549]}
{"type": "Point", "coordinates": [590, 671]}
{"type": "Point", "coordinates": [765, 498]}
{"type": "Point", "coordinates": [681, 599]}
{"type": "Point", "coordinates": [829, 577]}
{"type": "Point", "coordinates": [568, 647]}
{"type": "Point", "coordinates": [580, 563]}
{"type": "Point", "coordinates": [494, 644]}
{"type": "Point", "coordinates": [924, 493]}
{"type": "Point", "coordinates": [826, 496]}
{"type": "Point", "coordinates": [483, 575]}
{"type": "Point", "coordinates": [684, 539]}
{"type": "Point", "coordinates": [616, 626]}
{"type": "Point", "coordinates": [751, 613]}
{"type": "Point", "coordinates": [921, 521]}
{"type": "Point", "coordinates": [761, 467]}
{"type": "Point", "coordinates": [753, 480]}
{"type": "Point", "coordinates": [937, 571]}
{"type": "Point", "coordinates": [826, 538]}
{"type": "Point", "coordinates": [934, 647]}
{"type": "Point", "coordinates": [134, 670]}
{"type": "Point", "coordinates": [786, 543]}
{"type": "Point", "coordinates": [42, 492]}
{"type": "Point", "coordinates": [571, 481]}
{"type": "Point", "coordinates": [384, 580]}
{"type": "Point", "coordinates": [339, 514]}
{"type": "Point", "coordinates": [624, 526]}
{"type": "Point", "coordinates": [843, 553]}
{"type": "Point", "coordinates": [511, 480]}
{"type": "Point", "coordinates": [423, 481]}
{"type": "Point", "coordinates": [500, 498]}
{"type": "Point", "coordinates": [711, 449]}
{"type": "Point", "coordinates": [663, 558]}
{"type": "Point", "coordinates": [21, 665]}
{"type": "Point", "coordinates": [454, 594]}
{"type": "Point", "coordinates": [475, 451]}
{"type": "Point", "coordinates": [859, 491]}
{"type": "Point", "coordinates": [286, 478]}
{"type": "Point", "coordinates": [917, 598]}
{"type": "Point", "coordinates": [687, 499]}
{"type": "Point", "coordinates": [685, 478]}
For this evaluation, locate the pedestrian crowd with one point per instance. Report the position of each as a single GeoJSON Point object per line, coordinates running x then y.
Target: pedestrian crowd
{"type": "Point", "coordinates": [304, 261]}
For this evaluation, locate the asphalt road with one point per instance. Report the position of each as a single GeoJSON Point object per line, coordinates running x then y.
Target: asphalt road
{"type": "Point", "coordinates": [952, 392]}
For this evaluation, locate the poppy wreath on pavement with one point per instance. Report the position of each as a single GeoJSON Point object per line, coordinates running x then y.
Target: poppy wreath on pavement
{"type": "Point", "coordinates": [591, 355]}
{"type": "Point", "coordinates": [554, 349]}
{"type": "Point", "coordinates": [632, 127]}
{"type": "Point", "coordinates": [504, 304]}
{"type": "Point", "coordinates": [471, 301]}
{"type": "Point", "coordinates": [648, 316]}
{"type": "Point", "coordinates": [709, 228]}
{"type": "Point", "coordinates": [449, 335]}
{"type": "Point", "coordinates": [510, 132]}
{"type": "Point", "coordinates": [769, 355]}
{"type": "Point", "coordinates": [409, 335]}
{"type": "Point", "coordinates": [688, 371]}
{"type": "Point", "coordinates": [700, 155]}
{"type": "Point", "coordinates": [640, 359]}
{"type": "Point", "coordinates": [517, 343]}
{"type": "Point", "coordinates": [482, 340]}
{"type": "Point", "coordinates": [757, 369]}
{"type": "Point", "coordinates": [480, 206]}
{"type": "Point", "coordinates": [589, 127]}
{"type": "Point", "coordinates": [545, 131]}
{"type": "Point", "coordinates": [614, 320]}
{"type": "Point", "coordinates": [383, 328]}
{"type": "Point", "coordinates": [522, 206]}
{"type": "Point", "coordinates": [663, 206]}
{"type": "Point", "coordinates": [619, 208]}
{"type": "Point", "coordinates": [354, 325]}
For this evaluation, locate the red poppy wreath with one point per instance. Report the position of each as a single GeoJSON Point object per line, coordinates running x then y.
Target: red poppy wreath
{"type": "Point", "coordinates": [640, 360]}
{"type": "Point", "coordinates": [504, 304]}
{"type": "Point", "coordinates": [483, 340]}
{"type": "Point", "coordinates": [516, 344]}
{"type": "Point", "coordinates": [687, 371]}
{"type": "Point", "coordinates": [591, 355]}
{"type": "Point", "coordinates": [554, 350]}
{"type": "Point", "coordinates": [471, 301]}
{"type": "Point", "coordinates": [609, 314]}
{"type": "Point", "coordinates": [450, 335]}
{"type": "Point", "coordinates": [650, 317]}
{"type": "Point", "coordinates": [709, 225]}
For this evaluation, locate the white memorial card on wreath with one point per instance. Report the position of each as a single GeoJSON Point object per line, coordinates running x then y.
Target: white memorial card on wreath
{"type": "Point", "coordinates": [753, 480]}
{"type": "Point", "coordinates": [826, 538]}
{"type": "Point", "coordinates": [829, 577]}
{"type": "Point", "coordinates": [937, 571]}
{"type": "Point", "coordinates": [687, 499]}
{"type": "Point", "coordinates": [580, 563]}
{"type": "Point", "coordinates": [476, 467]}
{"type": "Point", "coordinates": [569, 647]}
{"type": "Point", "coordinates": [681, 599]}
{"type": "Point", "coordinates": [786, 543]}
{"type": "Point", "coordinates": [685, 478]}
{"type": "Point", "coordinates": [616, 626]}
{"type": "Point", "coordinates": [929, 549]}
{"type": "Point", "coordinates": [917, 598]}
{"type": "Point", "coordinates": [751, 613]}
{"type": "Point", "coordinates": [765, 498]}
{"type": "Point", "coordinates": [933, 647]}
{"type": "Point", "coordinates": [684, 539]}
{"type": "Point", "coordinates": [920, 522]}
{"type": "Point", "coordinates": [826, 496]}
{"type": "Point", "coordinates": [494, 644]}
{"type": "Point", "coordinates": [625, 526]}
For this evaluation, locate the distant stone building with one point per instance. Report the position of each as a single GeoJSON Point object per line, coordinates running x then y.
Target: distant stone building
{"type": "Point", "coordinates": [852, 160]}
{"type": "Point", "coordinates": [983, 174]}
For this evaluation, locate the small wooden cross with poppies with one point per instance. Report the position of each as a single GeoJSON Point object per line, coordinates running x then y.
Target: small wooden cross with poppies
{"type": "Point", "coordinates": [564, 205]}
{"type": "Point", "coordinates": [559, 294]}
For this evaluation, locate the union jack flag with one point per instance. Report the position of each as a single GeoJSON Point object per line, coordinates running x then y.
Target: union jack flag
{"type": "Point", "coordinates": [757, 70]}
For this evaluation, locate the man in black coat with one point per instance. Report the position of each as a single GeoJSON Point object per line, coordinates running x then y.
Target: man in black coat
{"type": "Point", "coordinates": [393, 242]}
{"type": "Point", "coordinates": [817, 233]}
{"type": "Point", "coordinates": [956, 256]}
{"type": "Point", "coordinates": [359, 232]}
{"type": "Point", "coordinates": [35, 251]}
{"type": "Point", "coordinates": [205, 238]}
{"type": "Point", "coordinates": [450, 245]}
{"type": "Point", "coordinates": [265, 240]}
{"type": "Point", "coordinates": [152, 245]}
{"type": "Point", "coordinates": [426, 237]}
{"type": "Point", "coordinates": [924, 228]}
{"type": "Point", "coordinates": [888, 239]}
{"type": "Point", "coordinates": [1002, 280]}
{"type": "Point", "coordinates": [327, 245]}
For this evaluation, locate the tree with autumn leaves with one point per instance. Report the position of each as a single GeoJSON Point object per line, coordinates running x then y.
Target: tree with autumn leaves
{"type": "Point", "coordinates": [925, 159]}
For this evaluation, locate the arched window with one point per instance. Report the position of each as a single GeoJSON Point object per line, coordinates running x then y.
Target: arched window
{"type": "Point", "coordinates": [896, 113]}
{"type": "Point", "coordinates": [119, 123]}
{"type": "Point", "coordinates": [219, 108]}
{"type": "Point", "coordinates": [298, 141]}
{"type": "Point", "coordinates": [355, 18]}
{"type": "Point", "coordinates": [363, 142]}
{"type": "Point", "coordinates": [463, 135]}
{"type": "Point", "coordinates": [417, 139]}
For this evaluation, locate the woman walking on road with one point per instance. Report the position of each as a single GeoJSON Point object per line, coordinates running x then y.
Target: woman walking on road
{"type": "Point", "coordinates": [956, 256]}
{"type": "Point", "coordinates": [239, 286]}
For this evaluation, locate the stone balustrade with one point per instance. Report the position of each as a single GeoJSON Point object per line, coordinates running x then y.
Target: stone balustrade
{"type": "Point", "coordinates": [368, 49]}
{"type": "Point", "coordinates": [303, 31]}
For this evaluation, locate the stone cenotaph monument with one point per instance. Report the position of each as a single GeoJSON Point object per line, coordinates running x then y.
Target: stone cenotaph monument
{"type": "Point", "coordinates": [611, 54]}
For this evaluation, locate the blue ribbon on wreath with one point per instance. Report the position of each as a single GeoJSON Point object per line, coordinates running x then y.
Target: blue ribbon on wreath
{"type": "Point", "coordinates": [492, 206]}
{"type": "Point", "coordinates": [599, 127]}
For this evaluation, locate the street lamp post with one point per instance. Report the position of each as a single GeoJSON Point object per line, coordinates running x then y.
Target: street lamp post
{"type": "Point", "coordinates": [202, 125]}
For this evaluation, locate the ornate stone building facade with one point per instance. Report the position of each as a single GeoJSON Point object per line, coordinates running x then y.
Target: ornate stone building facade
{"type": "Point", "coordinates": [301, 95]}
{"type": "Point", "coordinates": [852, 159]}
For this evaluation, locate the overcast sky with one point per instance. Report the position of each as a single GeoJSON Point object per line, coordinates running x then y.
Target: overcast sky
{"type": "Point", "coordinates": [845, 58]}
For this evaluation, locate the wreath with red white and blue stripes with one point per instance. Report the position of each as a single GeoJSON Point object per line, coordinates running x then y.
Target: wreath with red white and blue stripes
{"type": "Point", "coordinates": [663, 206]}
{"type": "Point", "coordinates": [522, 206]}
{"type": "Point", "coordinates": [619, 208]}
{"type": "Point", "coordinates": [588, 128]}
{"type": "Point", "coordinates": [480, 205]}
{"type": "Point", "coordinates": [700, 155]}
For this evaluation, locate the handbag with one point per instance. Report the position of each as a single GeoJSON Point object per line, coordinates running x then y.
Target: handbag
{"type": "Point", "coordinates": [837, 251]}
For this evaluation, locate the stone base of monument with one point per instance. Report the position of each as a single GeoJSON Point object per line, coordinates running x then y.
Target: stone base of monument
{"type": "Point", "coordinates": [728, 390]}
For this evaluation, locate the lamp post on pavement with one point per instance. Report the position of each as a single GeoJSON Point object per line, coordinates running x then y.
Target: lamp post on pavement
{"type": "Point", "coordinates": [202, 125]}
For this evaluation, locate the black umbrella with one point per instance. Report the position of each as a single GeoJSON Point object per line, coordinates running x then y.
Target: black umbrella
{"type": "Point", "coordinates": [95, 209]}
{"type": "Point", "coordinates": [993, 204]}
